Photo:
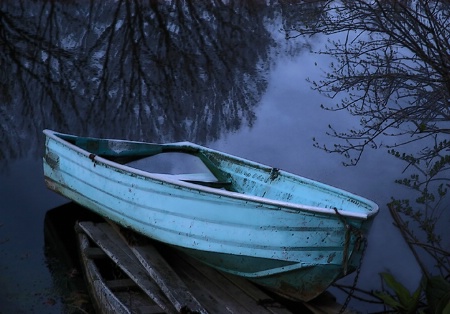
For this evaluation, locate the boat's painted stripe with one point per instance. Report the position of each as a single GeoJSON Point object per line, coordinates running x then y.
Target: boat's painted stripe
{"type": "Point", "coordinates": [249, 198]}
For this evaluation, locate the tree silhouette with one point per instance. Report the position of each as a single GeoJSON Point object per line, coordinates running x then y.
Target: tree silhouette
{"type": "Point", "coordinates": [392, 71]}
{"type": "Point", "coordinates": [155, 71]}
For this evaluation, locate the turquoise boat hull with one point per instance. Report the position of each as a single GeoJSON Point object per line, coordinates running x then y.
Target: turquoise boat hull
{"type": "Point", "coordinates": [282, 231]}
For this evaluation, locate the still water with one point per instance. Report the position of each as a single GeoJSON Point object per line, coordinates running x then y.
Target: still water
{"type": "Point", "coordinates": [220, 74]}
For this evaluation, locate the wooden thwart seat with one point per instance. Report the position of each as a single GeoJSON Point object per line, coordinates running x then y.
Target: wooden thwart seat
{"type": "Point", "coordinates": [205, 179]}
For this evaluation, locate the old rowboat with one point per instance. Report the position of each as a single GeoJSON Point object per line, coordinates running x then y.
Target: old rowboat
{"type": "Point", "coordinates": [290, 234]}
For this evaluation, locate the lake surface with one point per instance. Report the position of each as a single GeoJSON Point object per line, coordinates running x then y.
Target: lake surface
{"type": "Point", "coordinates": [221, 74]}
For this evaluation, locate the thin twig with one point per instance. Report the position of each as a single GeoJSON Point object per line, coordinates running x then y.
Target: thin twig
{"type": "Point", "coordinates": [401, 226]}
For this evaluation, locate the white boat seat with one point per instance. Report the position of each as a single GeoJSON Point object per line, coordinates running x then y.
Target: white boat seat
{"type": "Point", "coordinates": [205, 179]}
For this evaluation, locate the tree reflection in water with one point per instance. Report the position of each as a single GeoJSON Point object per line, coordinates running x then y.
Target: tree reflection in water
{"type": "Point", "coordinates": [159, 71]}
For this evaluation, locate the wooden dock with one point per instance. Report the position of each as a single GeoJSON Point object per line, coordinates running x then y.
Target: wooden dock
{"type": "Point", "coordinates": [128, 274]}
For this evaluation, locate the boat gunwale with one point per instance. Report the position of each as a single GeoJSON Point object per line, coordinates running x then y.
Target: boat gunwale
{"type": "Point", "coordinates": [163, 178]}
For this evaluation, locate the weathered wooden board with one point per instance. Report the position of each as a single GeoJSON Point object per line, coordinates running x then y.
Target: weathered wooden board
{"type": "Point", "coordinates": [172, 286]}
{"type": "Point", "coordinates": [112, 296]}
{"type": "Point", "coordinates": [120, 284]}
{"type": "Point", "coordinates": [224, 294]}
{"type": "Point", "coordinates": [114, 246]}
{"type": "Point", "coordinates": [105, 301]}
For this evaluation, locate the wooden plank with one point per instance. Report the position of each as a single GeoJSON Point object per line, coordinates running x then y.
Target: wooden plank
{"type": "Point", "coordinates": [172, 286]}
{"type": "Point", "coordinates": [216, 292]}
{"type": "Point", "coordinates": [120, 284]}
{"type": "Point", "coordinates": [213, 297]}
{"type": "Point", "coordinates": [243, 292]}
{"type": "Point", "coordinates": [105, 301]}
{"type": "Point", "coordinates": [257, 294]}
{"type": "Point", "coordinates": [155, 309]}
{"type": "Point", "coordinates": [114, 246]}
{"type": "Point", "coordinates": [326, 303]}
{"type": "Point", "coordinates": [94, 252]}
{"type": "Point", "coordinates": [137, 303]}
